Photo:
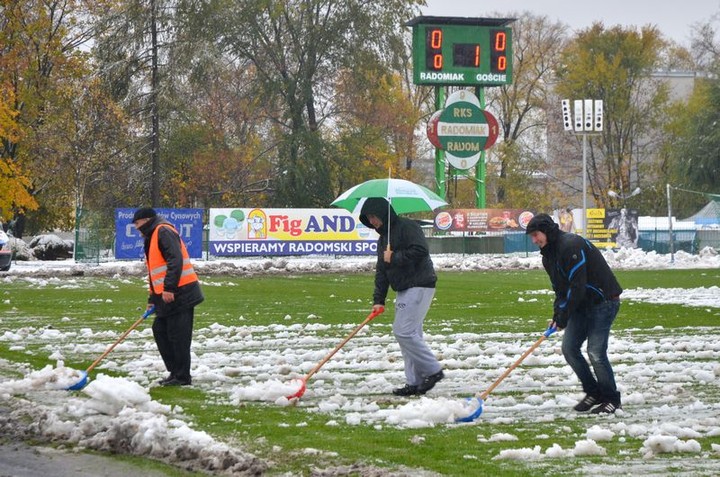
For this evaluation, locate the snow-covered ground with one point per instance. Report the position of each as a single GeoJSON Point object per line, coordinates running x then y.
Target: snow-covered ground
{"type": "Point", "coordinates": [670, 381]}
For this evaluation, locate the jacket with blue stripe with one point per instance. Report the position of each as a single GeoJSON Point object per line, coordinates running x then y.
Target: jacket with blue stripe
{"type": "Point", "coordinates": [579, 274]}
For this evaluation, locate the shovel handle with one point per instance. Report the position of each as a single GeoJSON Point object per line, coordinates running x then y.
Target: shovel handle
{"type": "Point", "coordinates": [527, 353]}
{"type": "Point", "coordinates": [367, 320]}
{"type": "Point", "coordinates": [147, 313]}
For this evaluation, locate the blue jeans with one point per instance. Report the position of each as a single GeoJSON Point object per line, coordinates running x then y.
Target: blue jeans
{"type": "Point", "coordinates": [592, 325]}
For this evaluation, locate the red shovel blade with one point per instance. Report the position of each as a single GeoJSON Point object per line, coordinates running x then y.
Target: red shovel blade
{"type": "Point", "coordinates": [300, 391]}
{"type": "Point", "coordinates": [369, 318]}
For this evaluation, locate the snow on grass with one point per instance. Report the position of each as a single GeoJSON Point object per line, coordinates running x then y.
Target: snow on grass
{"type": "Point", "coordinates": [670, 384]}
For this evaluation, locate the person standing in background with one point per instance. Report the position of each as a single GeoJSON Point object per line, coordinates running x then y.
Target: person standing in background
{"type": "Point", "coordinates": [567, 221]}
{"type": "Point", "coordinates": [174, 292]}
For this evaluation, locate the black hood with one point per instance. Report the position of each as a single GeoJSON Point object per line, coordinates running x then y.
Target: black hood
{"type": "Point", "coordinates": [380, 208]}
{"type": "Point", "coordinates": [545, 224]}
{"type": "Point", "coordinates": [147, 228]}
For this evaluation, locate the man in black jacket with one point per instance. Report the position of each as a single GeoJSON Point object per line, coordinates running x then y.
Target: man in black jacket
{"type": "Point", "coordinates": [404, 264]}
{"type": "Point", "coordinates": [587, 300]}
{"type": "Point", "coordinates": [174, 292]}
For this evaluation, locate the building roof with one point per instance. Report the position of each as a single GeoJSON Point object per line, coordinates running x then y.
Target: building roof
{"type": "Point", "coordinates": [710, 214]}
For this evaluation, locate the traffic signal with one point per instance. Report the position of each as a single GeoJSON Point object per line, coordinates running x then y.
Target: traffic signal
{"type": "Point", "coordinates": [579, 115]}
{"type": "Point", "coordinates": [598, 115]}
{"type": "Point", "coordinates": [567, 115]}
{"type": "Point", "coordinates": [588, 109]}
{"type": "Point", "coordinates": [585, 116]}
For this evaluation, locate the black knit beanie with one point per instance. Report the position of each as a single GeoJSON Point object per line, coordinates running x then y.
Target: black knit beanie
{"type": "Point", "coordinates": [144, 213]}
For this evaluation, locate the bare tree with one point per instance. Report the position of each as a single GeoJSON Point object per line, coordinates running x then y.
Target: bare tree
{"type": "Point", "coordinates": [521, 106]}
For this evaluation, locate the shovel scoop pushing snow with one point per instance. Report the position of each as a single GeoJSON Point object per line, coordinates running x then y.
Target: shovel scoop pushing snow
{"type": "Point", "coordinates": [84, 374]}
{"type": "Point", "coordinates": [481, 398]}
{"type": "Point", "coordinates": [317, 367]}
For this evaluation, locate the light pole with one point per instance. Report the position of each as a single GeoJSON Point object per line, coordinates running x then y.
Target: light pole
{"type": "Point", "coordinates": [587, 120]}
{"type": "Point", "coordinates": [622, 197]}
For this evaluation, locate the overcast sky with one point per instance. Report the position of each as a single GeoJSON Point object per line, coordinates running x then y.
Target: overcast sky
{"type": "Point", "coordinates": [674, 18]}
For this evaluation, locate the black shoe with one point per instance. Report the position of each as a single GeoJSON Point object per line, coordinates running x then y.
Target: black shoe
{"type": "Point", "coordinates": [606, 408]}
{"type": "Point", "coordinates": [407, 390]}
{"type": "Point", "coordinates": [165, 380]}
{"type": "Point", "coordinates": [586, 404]}
{"type": "Point", "coordinates": [176, 382]}
{"type": "Point", "coordinates": [429, 382]}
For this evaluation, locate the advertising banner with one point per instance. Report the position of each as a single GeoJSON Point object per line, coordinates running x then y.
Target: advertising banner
{"type": "Point", "coordinates": [622, 227]}
{"type": "Point", "coordinates": [129, 242]}
{"type": "Point", "coordinates": [597, 228]}
{"type": "Point", "coordinates": [483, 220]}
{"type": "Point", "coordinates": [247, 232]}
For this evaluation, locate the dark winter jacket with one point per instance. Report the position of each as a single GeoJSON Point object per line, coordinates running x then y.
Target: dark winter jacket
{"type": "Point", "coordinates": [411, 265]}
{"type": "Point", "coordinates": [579, 274]}
{"type": "Point", "coordinates": [187, 296]}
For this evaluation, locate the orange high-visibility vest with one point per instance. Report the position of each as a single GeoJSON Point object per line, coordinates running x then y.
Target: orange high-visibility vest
{"type": "Point", "coordinates": [157, 265]}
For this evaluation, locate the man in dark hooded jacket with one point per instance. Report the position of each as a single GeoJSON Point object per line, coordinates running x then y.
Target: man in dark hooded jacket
{"type": "Point", "coordinates": [174, 292]}
{"type": "Point", "coordinates": [587, 300]}
{"type": "Point", "coordinates": [404, 264]}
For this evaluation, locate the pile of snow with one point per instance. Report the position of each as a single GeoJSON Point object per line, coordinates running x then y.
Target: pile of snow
{"type": "Point", "coordinates": [117, 416]}
{"type": "Point", "coordinates": [582, 448]}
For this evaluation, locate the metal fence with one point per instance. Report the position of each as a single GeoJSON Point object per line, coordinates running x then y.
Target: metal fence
{"type": "Point", "coordinates": [95, 240]}
{"type": "Point", "coordinates": [94, 236]}
{"type": "Point", "coordinates": [495, 242]}
{"type": "Point", "coordinates": [690, 241]}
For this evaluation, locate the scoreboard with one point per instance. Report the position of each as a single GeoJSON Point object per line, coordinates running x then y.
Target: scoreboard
{"type": "Point", "coordinates": [462, 51]}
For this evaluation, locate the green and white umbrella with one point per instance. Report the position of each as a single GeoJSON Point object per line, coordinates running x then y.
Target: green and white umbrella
{"type": "Point", "coordinates": [404, 196]}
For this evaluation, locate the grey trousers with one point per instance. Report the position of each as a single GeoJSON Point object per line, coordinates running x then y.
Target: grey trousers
{"type": "Point", "coordinates": [411, 307]}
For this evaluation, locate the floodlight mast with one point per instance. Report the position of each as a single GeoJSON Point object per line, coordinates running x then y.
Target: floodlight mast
{"type": "Point", "coordinates": [587, 120]}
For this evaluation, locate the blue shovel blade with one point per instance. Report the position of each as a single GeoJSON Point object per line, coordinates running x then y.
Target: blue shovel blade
{"type": "Point", "coordinates": [475, 414]}
{"type": "Point", "coordinates": [80, 384]}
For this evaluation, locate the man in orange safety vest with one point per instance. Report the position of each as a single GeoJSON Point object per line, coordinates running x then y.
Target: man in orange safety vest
{"type": "Point", "coordinates": [174, 292]}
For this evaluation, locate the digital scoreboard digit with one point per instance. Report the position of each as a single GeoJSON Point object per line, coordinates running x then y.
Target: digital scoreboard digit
{"type": "Point", "coordinates": [462, 51]}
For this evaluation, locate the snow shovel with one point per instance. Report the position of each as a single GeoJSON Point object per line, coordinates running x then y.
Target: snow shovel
{"type": "Point", "coordinates": [317, 367]}
{"type": "Point", "coordinates": [84, 376]}
{"type": "Point", "coordinates": [481, 398]}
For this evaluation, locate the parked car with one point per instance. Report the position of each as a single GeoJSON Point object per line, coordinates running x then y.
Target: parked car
{"type": "Point", "coordinates": [5, 252]}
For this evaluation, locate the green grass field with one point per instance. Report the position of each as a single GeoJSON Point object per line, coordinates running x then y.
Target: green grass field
{"type": "Point", "coordinates": [471, 302]}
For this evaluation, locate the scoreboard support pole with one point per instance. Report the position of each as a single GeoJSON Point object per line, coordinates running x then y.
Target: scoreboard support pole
{"type": "Point", "coordinates": [480, 166]}
{"type": "Point", "coordinates": [441, 167]}
{"type": "Point", "coordinates": [440, 175]}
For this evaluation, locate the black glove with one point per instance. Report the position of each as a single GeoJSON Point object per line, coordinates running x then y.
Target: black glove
{"type": "Point", "coordinates": [561, 318]}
